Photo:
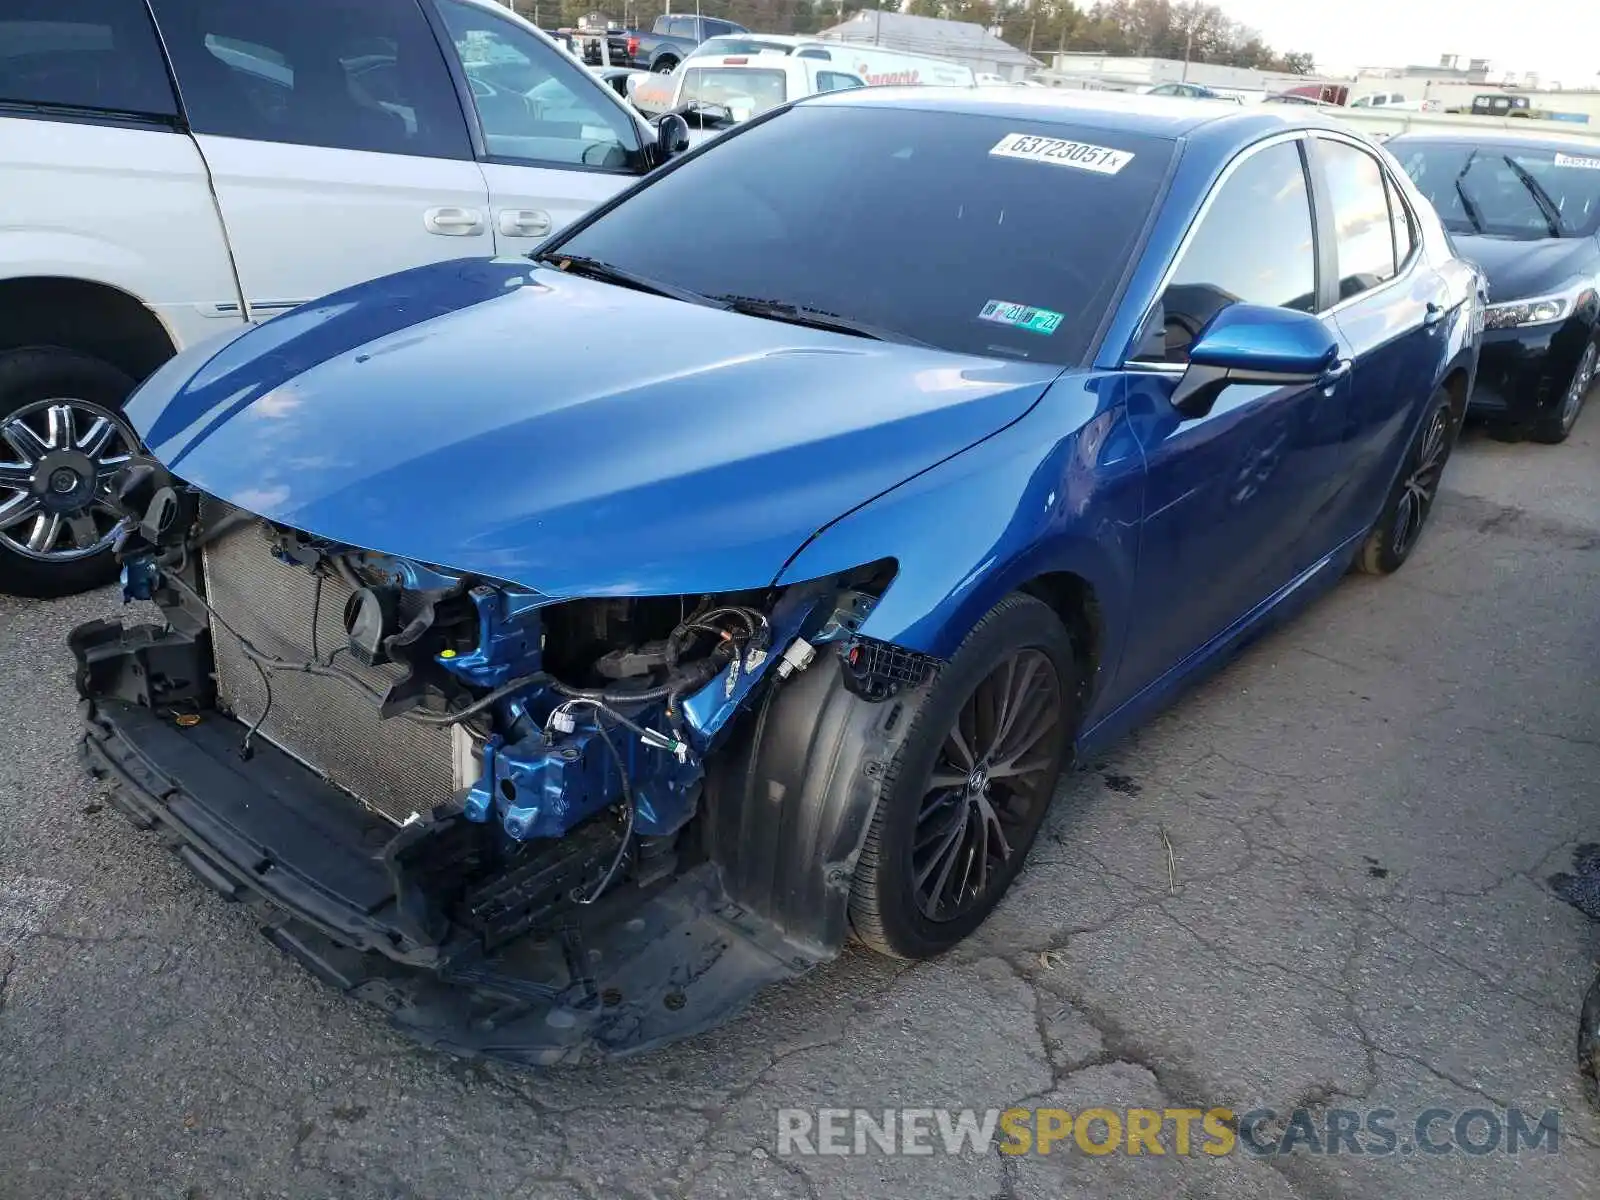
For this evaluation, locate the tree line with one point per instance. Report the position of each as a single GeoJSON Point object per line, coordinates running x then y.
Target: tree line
{"type": "Point", "coordinates": [1190, 29]}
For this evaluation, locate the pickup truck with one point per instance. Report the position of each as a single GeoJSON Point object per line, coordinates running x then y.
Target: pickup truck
{"type": "Point", "coordinates": [174, 168]}
{"type": "Point", "coordinates": [671, 38]}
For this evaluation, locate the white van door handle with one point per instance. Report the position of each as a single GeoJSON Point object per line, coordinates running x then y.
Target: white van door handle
{"type": "Point", "coordinates": [453, 222]}
{"type": "Point", "coordinates": [524, 222]}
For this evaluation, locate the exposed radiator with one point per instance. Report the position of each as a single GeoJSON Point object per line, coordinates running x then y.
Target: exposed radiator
{"type": "Point", "coordinates": [396, 767]}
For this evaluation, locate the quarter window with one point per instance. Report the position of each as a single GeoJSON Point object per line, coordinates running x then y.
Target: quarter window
{"type": "Point", "coordinates": [1363, 231]}
{"type": "Point", "coordinates": [94, 54]}
{"type": "Point", "coordinates": [532, 105]}
{"type": "Point", "coordinates": [834, 81]}
{"type": "Point", "coordinates": [347, 74]}
{"type": "Point", "coordinates": [1253, 246]}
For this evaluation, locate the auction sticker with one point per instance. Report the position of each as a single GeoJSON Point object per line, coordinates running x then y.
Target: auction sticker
{"type": "Point", "coordinates": [1081, 155]}
{"type": "Point", "coordinates": [1020, 316]}
{"type": "Point", "coordinates": [1578, 160]}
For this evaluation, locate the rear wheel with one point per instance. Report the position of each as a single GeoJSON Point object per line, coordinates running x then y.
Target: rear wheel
{"type": "Point", "coordinates": [965, 795]}
{"type": "Point", "coordinates": [1395, 536]}
{"type": "Point", "coordinates": [665, 66]}
{"type": "Point", "coordinates": [62, 438]}
{"type": "Point", "coordinates": [1554, 427]}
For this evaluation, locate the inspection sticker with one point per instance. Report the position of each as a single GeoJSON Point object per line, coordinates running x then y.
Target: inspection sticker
{"type": "Point", "coordinates": [1101, 159]}
{"type": "Point", "coordinates": [1020, 316]}
{"type": "Point", "coordinates": [1578, 160]}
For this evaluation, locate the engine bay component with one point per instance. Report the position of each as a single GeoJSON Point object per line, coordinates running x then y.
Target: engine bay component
{"type": "Point", "coordinates": [369, 620]}
{"type": "Point", "coordinates": [431, 769]}
{"type": "Point", "coordinates": [877, 670]}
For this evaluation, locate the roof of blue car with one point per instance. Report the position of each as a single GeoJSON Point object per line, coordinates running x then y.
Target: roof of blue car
{"type": "Point", "coordinates": [1159, 116]}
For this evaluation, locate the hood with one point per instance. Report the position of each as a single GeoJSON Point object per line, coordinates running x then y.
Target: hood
{"type": "Point", "coordinates": [571, 436]}
{"type": "Point", "coordinates": [1518, 268]}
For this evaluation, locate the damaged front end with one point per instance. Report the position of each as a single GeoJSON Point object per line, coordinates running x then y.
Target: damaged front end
{"type": "Point", "coordinates": [527, 827]}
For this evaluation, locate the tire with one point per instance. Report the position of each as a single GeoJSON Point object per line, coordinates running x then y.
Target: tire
{"type": "Point", "coordinates": [1411, 499]}
{"type": "Point", "coordinates": [94, 391]}
{"type": "Point", "coordinates": [664, 66]}
{"type": "Point", "coordinates": [1552, 428]}
{"type": "Point", "coordinates": [1589, 1043]}
{"type": "Point", "coordinates": [887, 911]}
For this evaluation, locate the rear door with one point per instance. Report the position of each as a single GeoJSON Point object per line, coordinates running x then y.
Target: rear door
{"type": "Point", "coordinates": [101, 184]}
{"type": "Point", "coordinates": [1391, 312]}
{"type": "Point", "coordinates": [336, 143]}
{"type": "Point", "coordinates": [554, 140]}
{"type": "Point", "coordinates": [1229, 494]}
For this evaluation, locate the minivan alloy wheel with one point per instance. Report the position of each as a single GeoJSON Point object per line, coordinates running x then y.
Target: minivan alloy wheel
{"type": "Point", "coordinates": [57, 457]}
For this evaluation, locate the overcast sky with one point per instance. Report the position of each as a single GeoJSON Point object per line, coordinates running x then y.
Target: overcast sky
{"type": "Point", "coordinates": [1558, 38]}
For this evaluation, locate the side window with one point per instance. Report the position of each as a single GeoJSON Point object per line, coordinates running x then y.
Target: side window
{"type": "Point", "coordinates": [535, 107]}
{"type": "Point", "coordinates": [347, 74]}
{"type": "Point", "coordinates": [815, 52]}
{"type": "Point", "coordinates": [97, 54]}
{"type": "Point", "coordinates": [1253, 246]}
{"type": "Point", "coordinates": [1404, 236]}
{"type": "Point", "coordinates": [834, 81]}
{"type": "Point", "coordinates": [1363, 233]}
{"type": "Point", "coordinates": [713, 28]}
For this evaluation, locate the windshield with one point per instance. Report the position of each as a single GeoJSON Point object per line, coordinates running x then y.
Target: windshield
{"type": "Point", "coordinates": [744, 92]}
{"type": "Point", "coordinates": [964, 232]}
{"type": "Point", "coordinates": [1510, 190]}
{"type": "Point", "coordinates": [739, 45]}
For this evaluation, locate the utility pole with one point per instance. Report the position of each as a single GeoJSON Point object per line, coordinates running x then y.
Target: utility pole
{"type": "Point", "coordinates": [1188, 46]}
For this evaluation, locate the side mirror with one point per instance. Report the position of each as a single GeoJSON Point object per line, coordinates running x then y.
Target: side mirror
{"type": "Point", "coordinates": [1249, 343]}
{"type": "Point", "coordinates": [672, 136]}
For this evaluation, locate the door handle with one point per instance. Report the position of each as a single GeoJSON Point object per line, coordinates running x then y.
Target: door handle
{"type": "Point", "coordinates": [1433, 315]}
{"type": "Point", "coordinates": [1336, 372]}
{"type": "Point", "coordinates": [453, 222]}
{"type": "Point", "coordinates": [524, 222]}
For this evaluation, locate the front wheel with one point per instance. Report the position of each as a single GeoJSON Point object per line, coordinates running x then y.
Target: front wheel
{"type": "Point", "coordinates": [1395, 535]}
{"type": "Point", "coordinates": [1554, 427]}
{"type": "Point", "coordinates": [964, 797]}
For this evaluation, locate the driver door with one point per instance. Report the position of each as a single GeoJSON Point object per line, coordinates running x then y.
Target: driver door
{"type": "Point", "coordinates": [555, 144]}
{"type": "Point", "coordinates": [1230, 495]}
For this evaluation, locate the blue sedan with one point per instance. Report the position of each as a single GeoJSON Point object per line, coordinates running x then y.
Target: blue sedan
{"type": "Point", "coordinates": [740, 572]}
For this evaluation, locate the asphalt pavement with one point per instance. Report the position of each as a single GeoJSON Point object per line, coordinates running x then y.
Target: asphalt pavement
{"type": "Point", "coordinates": [1317, 883]}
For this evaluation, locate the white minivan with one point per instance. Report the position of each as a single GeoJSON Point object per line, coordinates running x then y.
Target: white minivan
{"type": "Point", "coordinates": [172, 169]}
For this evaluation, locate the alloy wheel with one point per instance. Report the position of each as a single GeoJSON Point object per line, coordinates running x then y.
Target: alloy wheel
{"type": "Point", "coordinates": [1578, 389]}
{"type": "Point", "coordinates": [1421, 483]}
{"type": "Point", "coordinates": [57, 458]}
{"type": "Point", "coordinates": [988, 784]}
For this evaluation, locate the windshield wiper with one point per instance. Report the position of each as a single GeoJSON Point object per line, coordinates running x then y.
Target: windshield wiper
{"type": "Point", "coordinates": [1467, 206]}
{"type": "Point", "coordinates": [812, 318]}
{"type": "Point", "coordinates": [1547, 206]}
{"type": "Point", "coordinates": [593, 268]}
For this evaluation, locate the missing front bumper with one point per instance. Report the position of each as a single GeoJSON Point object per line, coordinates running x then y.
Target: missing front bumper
{"type": "Point", "coordinates": [640, 968]}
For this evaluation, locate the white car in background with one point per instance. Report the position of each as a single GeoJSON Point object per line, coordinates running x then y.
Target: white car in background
{"type": "Point", "coordinates": [874, 65]}
{"type": "Point", "coordinates": [1396, 101]}
{"type": "Point", "coordinates": [308, 145]}
{"type": "Point", "coordinates": [747, 85]}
